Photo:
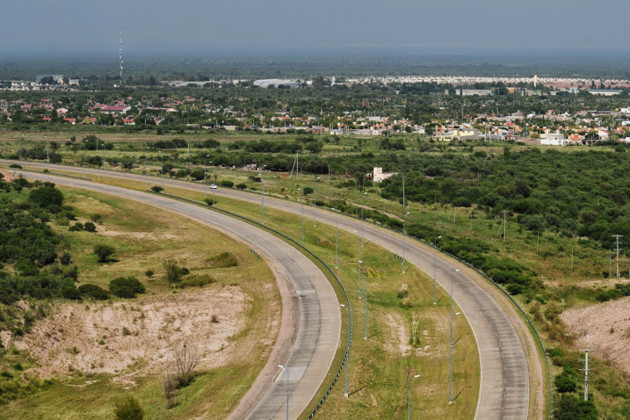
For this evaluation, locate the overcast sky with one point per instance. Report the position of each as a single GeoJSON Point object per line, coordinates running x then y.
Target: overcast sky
{"type": "Point", "coordinates": [72, 27]}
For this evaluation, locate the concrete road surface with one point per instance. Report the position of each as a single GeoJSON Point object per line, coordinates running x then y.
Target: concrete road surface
{"type": "Point", "coordinates": [311, 324]}
{"type": "Point", "coordinates": [504, 391]}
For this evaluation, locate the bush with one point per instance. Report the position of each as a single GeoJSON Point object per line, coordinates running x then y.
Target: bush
{"type": "Point", "coordinates": [149, 273]}
{"type": "Point", "coordinates": [197, 280]}
{"type": "Point", "coordinates": [157, 189]}
{"type": "Point", "coordinates": [128, 409]}
{"type": "Point", "coordinates": [77, 227]}
{"type": "Point", "coordinates": [89, 227]}
{"type": "Point", "coordinates": [65, 259]}
{"type": "Point", "coordinates": [570, 407]}
{"type": "Point", "coordinates": [15, 166]}
{"type": "Point", "coordinates": [226, 183]}
{"type": "Point", "coordinates": [46, 195]}
{"type": "Point", "coordinates": [223, 260]}
{"type": "Point", "coordinates": [565, 383]}
{"type": "Point", "coordinates": [241, 186]}
{"type": "Point", "coordinates": [103, 252]}
{"type": "Point", "coordinates": [126, 287]}
{"type": "Point", "coordinates": [173, 272]}
{"type": "Point", "coordinates": [93, 291]}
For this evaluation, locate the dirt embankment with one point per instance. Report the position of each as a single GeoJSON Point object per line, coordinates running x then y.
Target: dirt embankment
{"type": "Point", "coordinates": [133, 338]}
{"type": "Point", "coordinates": [605, 328]}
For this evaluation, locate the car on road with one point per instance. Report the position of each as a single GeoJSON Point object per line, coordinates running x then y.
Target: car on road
{"type": "Point", "coordinates": [213, 186]}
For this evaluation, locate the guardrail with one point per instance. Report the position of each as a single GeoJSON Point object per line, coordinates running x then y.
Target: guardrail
{"type": "Point", "coordinates": [316, 257]}
{"type": "Point", "coordinates": [344, 361]}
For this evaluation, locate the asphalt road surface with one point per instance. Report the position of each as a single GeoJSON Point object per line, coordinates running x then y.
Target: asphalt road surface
{"type": "Point", "coordinates": [311, 323]}
{"type": "Point", "coordinates": [504, 391]}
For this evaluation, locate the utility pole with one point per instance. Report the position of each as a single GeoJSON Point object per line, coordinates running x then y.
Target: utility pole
{"type": "Point", "coordinates": [617, 247]}
{"type": "Point", "coordinates": [435, 269]}
{"type": "Point", "coordinates": [505, 212]}
{"type": "Point", "coordinates": [586, 369]}
{"type": "Point", "coordinates": [21, 140]}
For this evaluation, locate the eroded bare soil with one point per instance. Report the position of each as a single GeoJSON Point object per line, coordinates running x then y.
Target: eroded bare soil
{"type": "Point", "coordinates": [605, 328]}
{"type": "Point", "coordinates": [132, 338]}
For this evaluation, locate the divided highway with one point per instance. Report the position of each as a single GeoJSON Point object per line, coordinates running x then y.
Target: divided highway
{"type": "Point", "coordinates": [508, 357]}
{"type": "Point", "coordinates": [311, 319]}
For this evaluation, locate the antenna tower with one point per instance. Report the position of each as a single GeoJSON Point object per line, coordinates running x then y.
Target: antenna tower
{"type": "Point", "coordinates": [120, 56]}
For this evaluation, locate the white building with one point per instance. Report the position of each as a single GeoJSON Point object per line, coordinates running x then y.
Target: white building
{"type": "Point", "coordinates": [380, 176]}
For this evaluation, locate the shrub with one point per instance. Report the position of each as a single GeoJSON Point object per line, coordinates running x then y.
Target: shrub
{"type": "Point", "coordinates": [65, 258]}
{"type": "Point", "coordinates": [223, 260]}
{"type": "Point", "coordinates": [103, 252]}
{"type": "Point", "coordinates": [149, 273]}
{"type": "Point", "coordinates": [93, 291]}
{"type": "Point", "coordinates": [77, 227]}
{"type": "Point", "coordinates": [198, 280]}
{"type": "Point", "coordinates": [226, 183]}
{"type": "Point", "coordinates": [157, 189]}
{"type": "Point", "coordinates": [173, 272]}
{"type": "Point", "coordinates": [46, 195]}
{"type": "Point", "coordinates": [89, 227]}
{"type": "Point", "coordinates": [15, 166]}
{"type": "Point", "coordinates": [241, 186]}
{"type": "Point", "coordinates": [96, 218]}
{"type": "Point", "coordinates": [565, 383]}
{"type": "Point", "coordinates": [126, 287]}
{"type": "Point", "coordinates": [128, 409]}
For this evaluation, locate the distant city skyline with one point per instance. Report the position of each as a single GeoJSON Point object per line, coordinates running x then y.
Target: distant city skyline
{"type": "Point", "coordinates": [167, 27]}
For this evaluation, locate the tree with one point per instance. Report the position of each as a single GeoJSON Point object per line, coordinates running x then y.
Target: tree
{"type": "Point", "coordinates": [46, 195]}
{"type": "Point", "coordinates": [128, 409]}
{"type": "Point", "coordinates": [103, 252]}
{"type": "Point", "coordinates": [173, 272]}
{"type": "Point", "coordinates": [571, 407]}
{"type": "Point", "coordinates": [126, 287]}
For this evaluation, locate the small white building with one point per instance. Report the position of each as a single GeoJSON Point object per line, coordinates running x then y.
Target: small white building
{"type": "Point", "coordinates": [380, 176]}
{"type": "Point", "coordinates": [553, 139]}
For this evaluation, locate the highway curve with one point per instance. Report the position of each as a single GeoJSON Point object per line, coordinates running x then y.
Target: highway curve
{"type": "Point", "coordinates": [311, 319]}
{"type": "Point", "coordinates": [504, 343]}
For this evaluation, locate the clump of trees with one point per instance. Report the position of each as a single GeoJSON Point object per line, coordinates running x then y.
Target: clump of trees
{"type": "Point", "coordinates": [126, 287]}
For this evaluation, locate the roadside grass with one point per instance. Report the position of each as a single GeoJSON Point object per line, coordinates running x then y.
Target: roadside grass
{"type": "Point", "coordinates": [143, 237]}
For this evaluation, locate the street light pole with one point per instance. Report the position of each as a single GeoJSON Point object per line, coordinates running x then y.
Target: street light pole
{"type": "Point", "coordinates": [404, 237]}
{"type": "Point", "coordinates": [84, 175]}
{"type": "Point", "coordinates": [145, 170]}
{"type": "Point", "coordinates": [336, 238]}
{"type": "Point", "coordinates": [205, 175]}
{"type": "Point", "coordinates": [214, 190]}
{"type": "Point", "coordinates": [162, 170]}
{"type": "Point", "coordinates": [314, 203]}
{"type": "Point", "coordinates": [450, 398]}
{"type": "Point", "coordinates": [262, 196]}
{"type": "Point", "coordinates": [409, 395]}
{"type": "Point", "coordinates": [302, 214]}
{"type": "Point", "coordinates": [435, 269]}
{"type": "Point", "coordinates": [286, 369]}
{"type": "Point", "coordinates": [360, 262]}
{"type": "Point", "coordinates": [365, 298]}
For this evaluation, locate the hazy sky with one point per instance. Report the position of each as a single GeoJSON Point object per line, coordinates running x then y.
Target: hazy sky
{"type": "Point", "coordinates": [205, 26]}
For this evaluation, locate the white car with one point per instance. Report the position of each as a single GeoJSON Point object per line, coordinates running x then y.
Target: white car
{"type": "Point", "coordinates": [213, 186]}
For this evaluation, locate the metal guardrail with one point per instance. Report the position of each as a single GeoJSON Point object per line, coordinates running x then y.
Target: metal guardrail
{"type": "Point", "coordinates": [312, 254]}
{"type": "Point", "coordinates": [344, 361]}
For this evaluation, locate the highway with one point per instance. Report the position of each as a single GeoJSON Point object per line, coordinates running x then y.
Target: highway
{"type": "Point", "coordinates": [311, 319]}
{"type": "Point", "coordinates": [508, 355]}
